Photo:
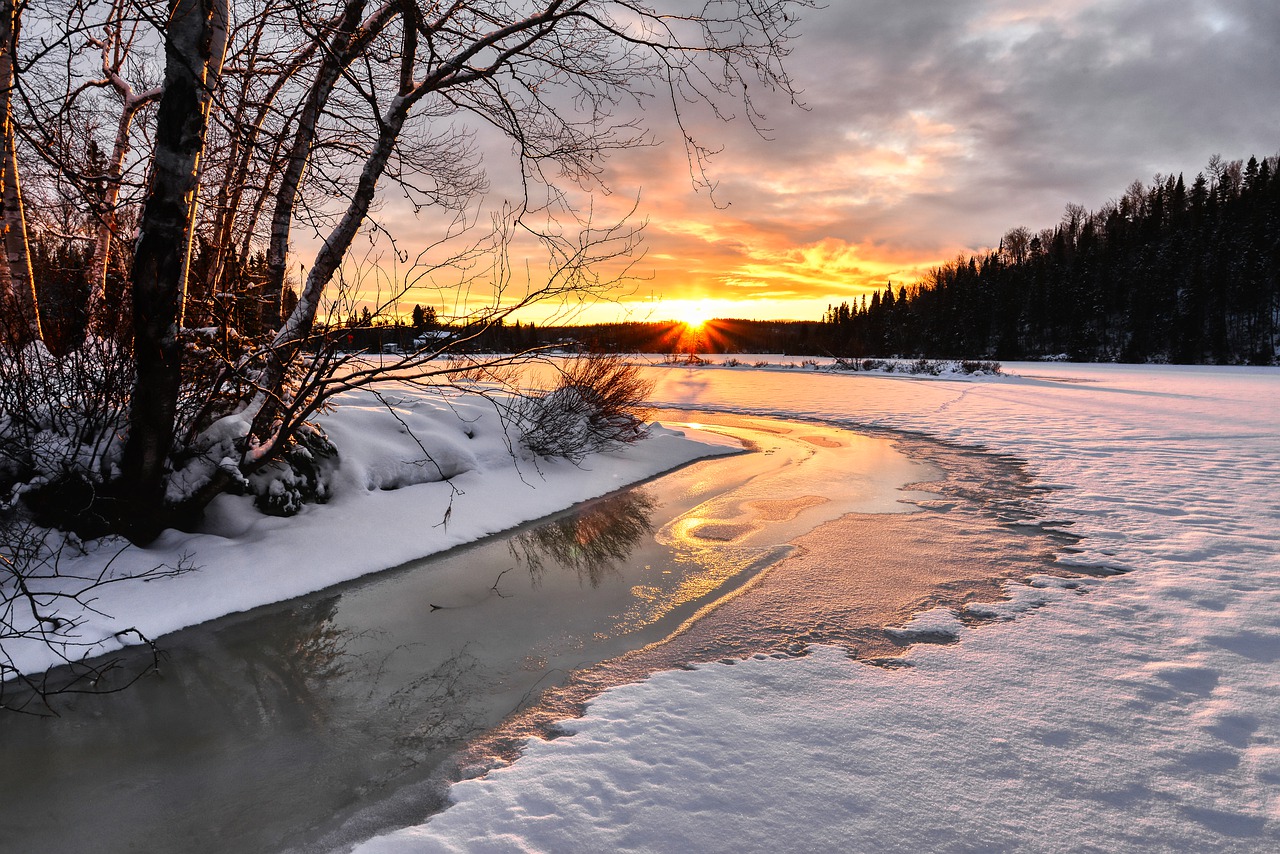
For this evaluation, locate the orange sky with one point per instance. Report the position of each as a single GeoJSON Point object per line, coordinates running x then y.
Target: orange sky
{"type": "Point", "coordinates": [928, 129]}
{"type": "Point", "coordinates": [774, 242]}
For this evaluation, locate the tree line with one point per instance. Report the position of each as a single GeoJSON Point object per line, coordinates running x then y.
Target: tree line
{"type": "Point", "coordinates": [1166, 273]}
{"type": "Point", "coordinates": [722, 335]}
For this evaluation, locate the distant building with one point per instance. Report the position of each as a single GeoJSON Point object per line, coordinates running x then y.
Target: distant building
{"type": "Point", "coordinates": [431, 339]}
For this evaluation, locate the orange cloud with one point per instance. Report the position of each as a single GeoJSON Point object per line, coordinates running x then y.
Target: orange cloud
{"type": "Point", "coordinates": [929, 129]}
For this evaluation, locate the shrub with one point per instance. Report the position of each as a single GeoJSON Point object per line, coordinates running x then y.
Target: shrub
{"type": "Point", "coordinates": [61, 417]}
{"type": "Point", "coordinates": [922, 365]}
{"type": "Point", "coordinates": [980, 367]}
{"type": "Point", "coordinates": [300, 476]}
{"type": "Point", "coordinates": [598, 404]}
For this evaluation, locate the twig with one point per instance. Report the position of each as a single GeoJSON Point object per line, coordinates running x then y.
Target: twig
{"type": "Point", "coordinates": [497, 580]}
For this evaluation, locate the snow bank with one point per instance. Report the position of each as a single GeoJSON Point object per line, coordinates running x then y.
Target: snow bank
{"type": "Point", "coordinates": [436, 474]}
{"type": "Point", "coordinates": [1138, 712]}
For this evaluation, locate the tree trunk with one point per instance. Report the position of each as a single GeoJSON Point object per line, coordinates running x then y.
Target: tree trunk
{"type": "Point", "coordinates": [17, 284]}
{"type": "Point", "coordinates": [347, 43]}
{"type": "Point", "coordinates": [195, 41]}
{"type": "Point", "coordinates": [108, 222]}
{"type": "Point", "coordinates": [244, 145]}
{"type": "Point", "coordinates": [295, 330]}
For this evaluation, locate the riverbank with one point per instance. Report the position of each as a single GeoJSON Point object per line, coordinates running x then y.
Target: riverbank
{"type": "Point", "coordinates": [437, 473]}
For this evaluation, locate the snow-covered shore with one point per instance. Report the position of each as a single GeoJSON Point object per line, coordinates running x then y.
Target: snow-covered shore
{"type": "Point", "coordinates": [437, 473]}
{"type": "Point", "coordinates": [1140, 712]}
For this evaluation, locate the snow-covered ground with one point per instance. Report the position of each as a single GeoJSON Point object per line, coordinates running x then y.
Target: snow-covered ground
{"type": "Point", "coordinates": [1140, 712]}
{"type": "Point", "coordinates": [436, 473]}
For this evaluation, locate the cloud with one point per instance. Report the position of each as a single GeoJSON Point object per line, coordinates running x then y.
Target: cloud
{"type": "Point", "coordinates": [930, 128]}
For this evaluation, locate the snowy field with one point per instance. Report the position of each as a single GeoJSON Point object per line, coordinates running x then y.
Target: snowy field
{"type": "Point", "coordinates": [1135, 713]}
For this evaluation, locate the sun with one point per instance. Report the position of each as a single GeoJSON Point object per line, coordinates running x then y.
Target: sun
{"type": "Point", "coordinates": [694, 314]}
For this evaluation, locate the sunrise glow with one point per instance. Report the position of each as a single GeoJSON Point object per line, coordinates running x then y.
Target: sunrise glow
{"type": "Point", "coordinates": [693, 314]}
{"type": "Point", "coordinates": [877, 182]}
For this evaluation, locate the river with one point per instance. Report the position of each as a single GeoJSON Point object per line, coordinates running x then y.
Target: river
{"type": "Point", "coordinates": [315, 723]}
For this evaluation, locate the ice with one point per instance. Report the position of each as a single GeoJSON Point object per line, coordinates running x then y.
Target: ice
{"type": "Point", "coordinates": [1132, 711]}
{"type": "Point", "coordinates": [936, 624]}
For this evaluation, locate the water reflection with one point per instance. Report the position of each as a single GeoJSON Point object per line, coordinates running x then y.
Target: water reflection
{"type": "Point", "coordinates": [321, 721]}
{"type": "Point", "coordinates": [295, 723]}
{"type": "Point", "coordinates": [297, 654]}
{"type": "Point", "coordinates": [591, 541]}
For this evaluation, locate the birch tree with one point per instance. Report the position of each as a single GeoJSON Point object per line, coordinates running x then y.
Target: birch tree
{"type": "Point", "coordinates": [195, 39]}
{"type": "Point", "coordinates": [16, 282]}
{"type": "Point", "coordinates": [114, 45]}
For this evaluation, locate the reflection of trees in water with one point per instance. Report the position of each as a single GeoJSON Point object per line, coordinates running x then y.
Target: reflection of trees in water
{"type": "Point", "coordinates": [590, 540]}
{"type": "Point", "coordinates": [301, 667]}
{"type": "Point", "coordinates": [438, 709]}
{"type": "Point", "coordinates": [294, 655]}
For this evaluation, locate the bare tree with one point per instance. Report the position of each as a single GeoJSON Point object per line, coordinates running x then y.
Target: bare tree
{"type": "Point", "coordinates": [323, 111]}
{"type": "Point", "coordinates": [352, 35]}
{"type": "Point", "coordinates": [1074, 216]}
{"type": "Point", "coordinates": [114, 45]}
{"type": "Point", "coordinates": [195, 39]}
{"type": "Point", "coordinates": [280, 118]}
{"type": "Point", "coordinates": [258, 73]}
{"type": "Point", "coordinates": [17, 286]}
{"type": "Point", "coordinates": [1015, 244]}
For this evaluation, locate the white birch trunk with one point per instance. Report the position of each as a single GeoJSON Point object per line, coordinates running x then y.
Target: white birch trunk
{"type": "Point", "coordinates": [16, 278]}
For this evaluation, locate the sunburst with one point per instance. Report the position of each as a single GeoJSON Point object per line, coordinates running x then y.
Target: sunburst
{"type": "Point", "coordinates": [694, 314]}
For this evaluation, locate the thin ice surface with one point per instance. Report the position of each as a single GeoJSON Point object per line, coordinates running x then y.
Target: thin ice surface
{"type": "Point", "coordinates": [1142, 715]}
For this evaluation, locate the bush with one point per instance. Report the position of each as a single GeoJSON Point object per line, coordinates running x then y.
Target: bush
{"type": "Point", "coordinates": [597, 405]}
{"type": "Point", "coordinates": [300, 476]}
{"type": "Point", "coordinates": [980, 367]}
{"type": "Point", "coordinates": [61, 418]}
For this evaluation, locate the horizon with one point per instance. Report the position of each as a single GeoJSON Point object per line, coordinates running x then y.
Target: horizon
{"type": "Point", "coordinates": [925, 133]}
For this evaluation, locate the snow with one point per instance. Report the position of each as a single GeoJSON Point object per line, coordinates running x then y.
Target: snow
{"type": "Point", "coordinates": [391, 503]}
{"type": "Point", "coordinates": [1135, 712]}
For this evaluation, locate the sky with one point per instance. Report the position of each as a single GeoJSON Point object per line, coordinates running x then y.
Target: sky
{"type": "Point", "coordinates": [928, 129]}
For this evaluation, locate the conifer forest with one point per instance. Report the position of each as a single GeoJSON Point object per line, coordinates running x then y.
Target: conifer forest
{"type": "Point", "coordinates": [1166, 273]}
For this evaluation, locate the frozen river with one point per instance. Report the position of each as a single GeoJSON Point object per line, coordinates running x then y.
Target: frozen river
{"type": "Point", "coordinates": [321, 721]}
